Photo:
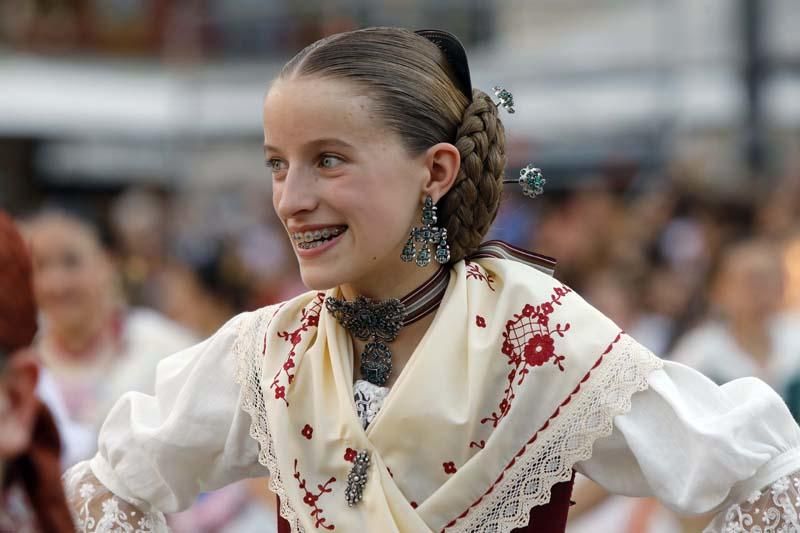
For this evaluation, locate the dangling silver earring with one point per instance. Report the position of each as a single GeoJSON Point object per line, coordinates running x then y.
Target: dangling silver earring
{"type": "Point", "coordinates": [428, 234]}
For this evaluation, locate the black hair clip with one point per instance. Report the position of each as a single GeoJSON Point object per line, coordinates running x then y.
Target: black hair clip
{"type": "Point", "coordinates": [456, 56]}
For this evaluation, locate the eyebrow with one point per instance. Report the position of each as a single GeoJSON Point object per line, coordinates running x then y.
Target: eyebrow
{"type": "Point", "coordinates": [315, 144]}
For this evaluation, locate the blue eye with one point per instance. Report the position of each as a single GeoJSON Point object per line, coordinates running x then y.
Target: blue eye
{"type": "Point", "coordinates": [329, 161]}
{"type": "Point", "coordinates": [276, 165]}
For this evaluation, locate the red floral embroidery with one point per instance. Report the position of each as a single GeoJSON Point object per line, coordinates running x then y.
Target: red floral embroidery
{"type": "Point", "coordinates": [480, 321]}
{"type": "Point", "coordinates": [474, 271]}
{"type": "Point", "coordinates": [311, 499]}
{"type": "Point", "coordinates": [481, 444]}
{"type": "Point", "coordinates": [533, 439]}
{"type": "Point", "coordinates": [414, 505]}
{"type": "Point", "coordinates": [449, 467]}
{"type": "Point", "coordinates": [307, 432]}
{"type": "Point", "coordinates": [540, 349]}
{"type": "Point", "coordinates": [350, 455]}
{"type": "Point", "coordinates": [309, 318]}
{"type": "Point", "coordinates": [528, 342]}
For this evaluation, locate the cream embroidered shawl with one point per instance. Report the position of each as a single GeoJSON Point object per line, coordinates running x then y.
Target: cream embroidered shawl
{"type": "Point", "coordinates": [508, 389]}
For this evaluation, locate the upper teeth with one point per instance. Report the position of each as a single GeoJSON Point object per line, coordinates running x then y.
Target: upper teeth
{"type": "Point", "coordinates": [311, 236]}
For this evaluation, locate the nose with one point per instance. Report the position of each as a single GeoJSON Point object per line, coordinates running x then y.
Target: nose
{"type": "Point", "coordinates": [295, 195]}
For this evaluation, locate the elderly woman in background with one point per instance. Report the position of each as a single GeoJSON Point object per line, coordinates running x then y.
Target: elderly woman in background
{"type": "Point", "coordinates": [31, 498]}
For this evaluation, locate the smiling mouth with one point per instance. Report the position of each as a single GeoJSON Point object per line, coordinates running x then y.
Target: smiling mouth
{"type": "Point", "coordinates": [309, 240]}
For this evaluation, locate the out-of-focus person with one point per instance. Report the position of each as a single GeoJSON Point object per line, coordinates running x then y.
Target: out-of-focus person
{"type": "Point", "coordinates": [31, 498]}
{"type": "Point", "coordinates": [139, 222]}
{"type": "Point", "coordinates": [748, 333]}
{"type": "Point", "coordinates": [95, 347]}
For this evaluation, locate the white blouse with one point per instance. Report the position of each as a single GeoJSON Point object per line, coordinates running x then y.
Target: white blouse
{"type": "Point", "coordinates": [695, 446]}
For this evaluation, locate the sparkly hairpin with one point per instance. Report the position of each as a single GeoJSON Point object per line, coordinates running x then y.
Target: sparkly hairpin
{"type": "Point", "coordinates": [505, 97]}
{"type": "Point", "coordinates": [530, 180]}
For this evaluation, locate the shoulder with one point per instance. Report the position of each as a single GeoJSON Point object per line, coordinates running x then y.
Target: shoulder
{"type": "Point", "coordinates": [142, 323]}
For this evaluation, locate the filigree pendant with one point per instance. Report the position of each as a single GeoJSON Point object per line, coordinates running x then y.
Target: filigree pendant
{"type": "Point", "coordinates": [376, 363]}
{"type": "Point", "coordinates": [376, 321]}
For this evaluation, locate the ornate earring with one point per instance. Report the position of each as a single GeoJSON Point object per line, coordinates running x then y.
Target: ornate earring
{"type": "Point", "coordinates": [424, 236]}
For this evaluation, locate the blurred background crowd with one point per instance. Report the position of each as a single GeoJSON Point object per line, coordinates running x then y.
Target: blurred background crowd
{"type": "Point", "coordinates": [668, 131]}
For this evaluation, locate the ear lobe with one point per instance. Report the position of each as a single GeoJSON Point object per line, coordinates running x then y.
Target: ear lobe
{"type": "Point", "coordinates": [18, 403]}
{"type": "Point", "coordinates": [443, 161]}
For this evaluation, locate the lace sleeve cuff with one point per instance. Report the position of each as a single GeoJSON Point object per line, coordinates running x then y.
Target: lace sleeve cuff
{"type": "Point", "coordinates": [774, 506]}
{"type": "Point", "coordinates": [95, 508]}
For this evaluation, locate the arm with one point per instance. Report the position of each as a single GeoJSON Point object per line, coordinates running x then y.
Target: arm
{"type": "Point", "coordinates": [695, 446]}
{"type": "Point", "coordinates": [156, 453]}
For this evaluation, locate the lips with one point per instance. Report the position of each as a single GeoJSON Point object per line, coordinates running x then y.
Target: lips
{"type": "Point", "coordinates": [307, 240]}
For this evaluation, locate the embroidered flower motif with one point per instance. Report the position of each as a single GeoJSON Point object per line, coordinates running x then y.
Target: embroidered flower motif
{"type": "Point", "coordinates": [307, 431]}
{"type": "Point", "coordinates": [449, 467]}
{"type": "Point", "coordinates": [781, 485]}
{"type": "Point", "coordinates": [504, 405]}
{"type": "Point", "coordinates": [474, 271]}
{"type": "Point", "coordinates": [480, 321]}
{"type": "Point", "coordinates": [754, 496]}
{"type": "Point", "coordinates": [508, 348]}
{"type": "Point", "coordinates": [309, 318]}
{"type": "Point", "coordinates": [350, 455]}
{"type": "Point", "coordinates": [414, 505]}
{"type": "Point", "coordinates": [110, 508]}
{"type": "Point", "coordinates": [311, 499]}
{"type": "Point", "coordinates": [539, 349]}
{"type": "Point", "coordinates": [86, 491]}
{"type": "Point", "coordinates": [528, 343]}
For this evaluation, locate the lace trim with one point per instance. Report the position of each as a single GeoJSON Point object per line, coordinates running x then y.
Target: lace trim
{"type": "Point", "coordinates": [773, 510]}
{"type": "Point", "coordinates": [95, 509]}
{"type": "Point", "coordinates": [568, 440]}
{"type": "Point", "coordinates": [248, 376]}
{"type": "Point", "coordinates": [369, 400]}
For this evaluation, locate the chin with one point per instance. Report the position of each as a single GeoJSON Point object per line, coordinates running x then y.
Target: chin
{"type": "Point", "coordinates": [320, 278]}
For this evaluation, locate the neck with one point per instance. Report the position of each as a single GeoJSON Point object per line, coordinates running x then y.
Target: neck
{"type": "Point", "coordinates": [84, 337]}
{"type": "Point", "coordinates": [752, 334]}
{"type": "Point", "coordinates": [379, 286]}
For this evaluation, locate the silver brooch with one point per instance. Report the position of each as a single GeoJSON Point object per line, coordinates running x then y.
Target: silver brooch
{"type": "Point", "coordinates": [357, 479]}
{"type": "Point", "coordinates": [506, 99]}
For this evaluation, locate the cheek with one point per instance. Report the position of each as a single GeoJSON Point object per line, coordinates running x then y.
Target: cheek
{"type": "Point", "coordinates": [276, 196]}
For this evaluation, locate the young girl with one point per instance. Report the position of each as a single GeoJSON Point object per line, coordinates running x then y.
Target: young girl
{"type": "Point", "coordinates": [427, 382]}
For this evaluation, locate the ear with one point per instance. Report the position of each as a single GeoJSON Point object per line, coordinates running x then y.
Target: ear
{"type": "Point", "coordinates": [18, 404]}
{"type": "Point", "coordinates": [443, 162]}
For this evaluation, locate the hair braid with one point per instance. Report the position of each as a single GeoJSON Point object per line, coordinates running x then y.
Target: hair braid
{"type": "Point", "coordinates": [470, 206]}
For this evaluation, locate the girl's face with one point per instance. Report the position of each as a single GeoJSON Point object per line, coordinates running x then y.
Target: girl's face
{"type": "Point", "coordinates": [344, 185]}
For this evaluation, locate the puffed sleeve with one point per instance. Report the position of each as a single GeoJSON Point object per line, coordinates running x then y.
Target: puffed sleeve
{"type": "Point", "coordinates": [157, 453]}
{"type": "Point", "coordinates": [699, 447]}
